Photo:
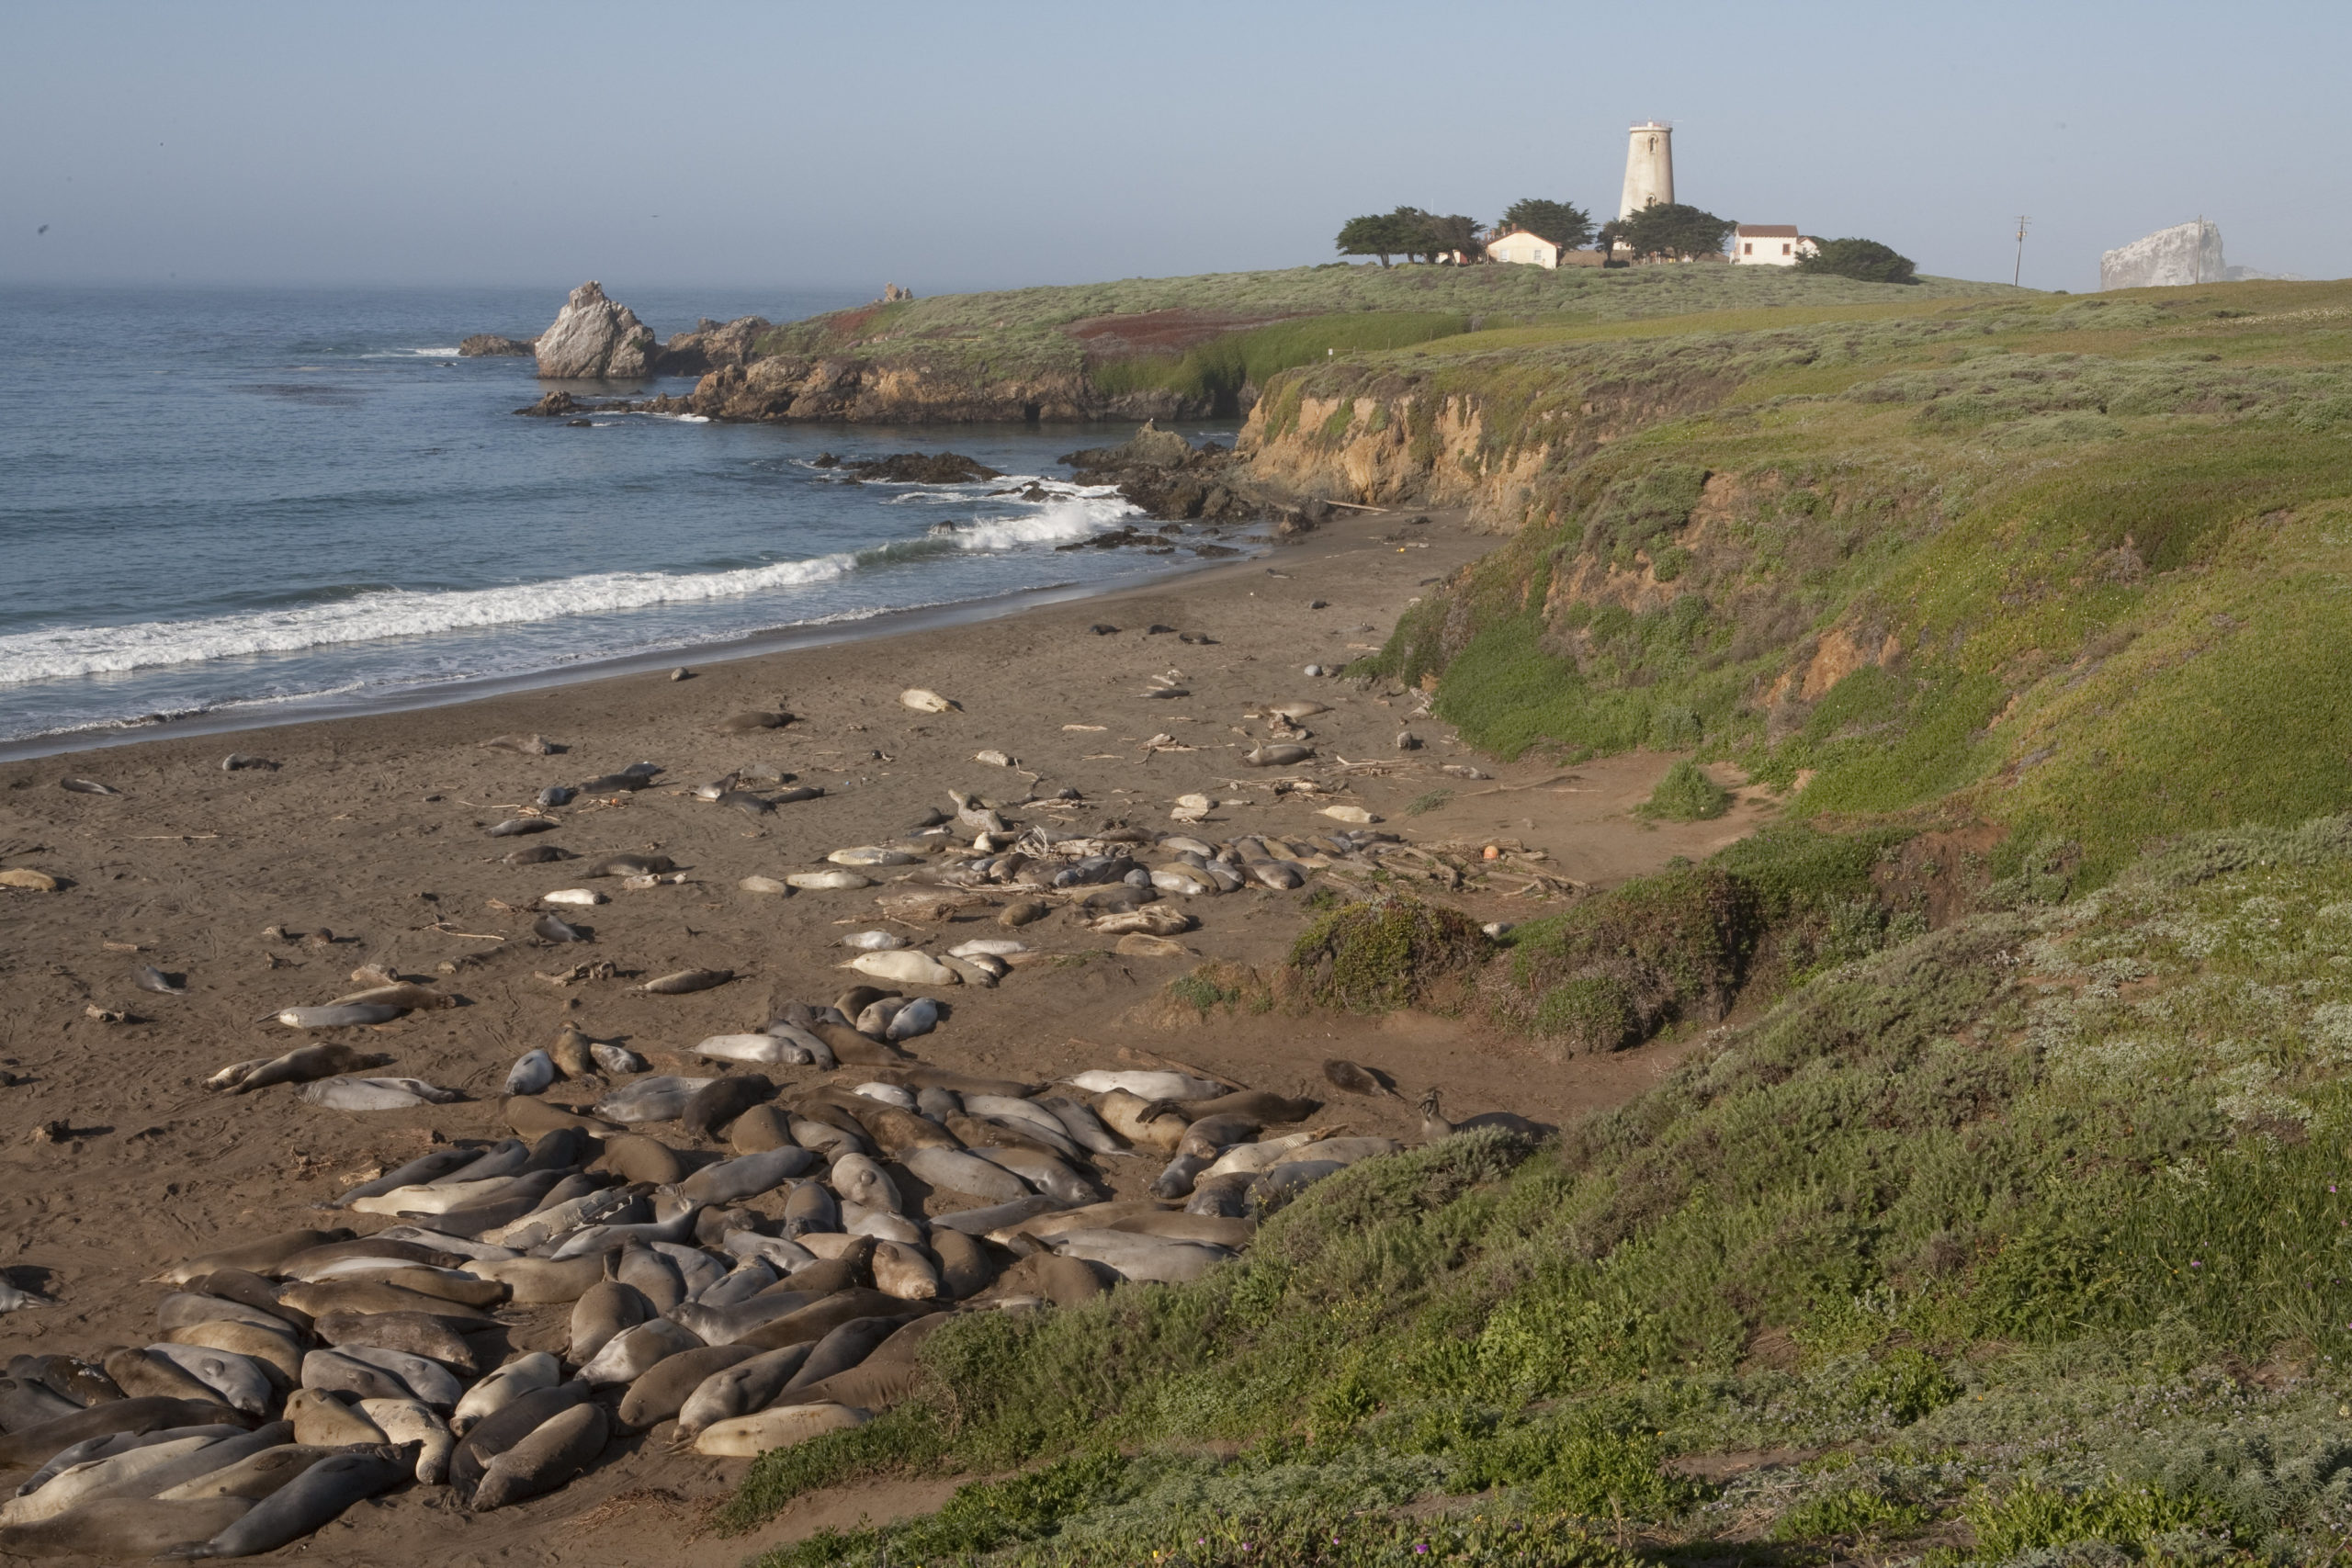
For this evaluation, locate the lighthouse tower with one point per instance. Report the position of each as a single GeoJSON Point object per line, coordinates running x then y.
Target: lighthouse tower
{"type": "Point", "coordinates": [1649, 167]}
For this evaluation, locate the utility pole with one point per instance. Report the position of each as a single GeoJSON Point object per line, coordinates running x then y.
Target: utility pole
{"type": "Point", "coordinates": [2019, 274]}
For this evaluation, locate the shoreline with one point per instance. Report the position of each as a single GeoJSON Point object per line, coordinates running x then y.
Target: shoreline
{"type": "Point", "coordinates": [258, 715]}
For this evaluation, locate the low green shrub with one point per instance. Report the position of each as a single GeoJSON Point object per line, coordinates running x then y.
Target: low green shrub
{"type": "Point", "coordinates": [1685, 794]}
{"type": "Point", "coordinates": [1382, 955]}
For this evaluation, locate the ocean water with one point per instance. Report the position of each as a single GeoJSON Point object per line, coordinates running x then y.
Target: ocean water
{"type": "Point", "coordinates": [251, 505]}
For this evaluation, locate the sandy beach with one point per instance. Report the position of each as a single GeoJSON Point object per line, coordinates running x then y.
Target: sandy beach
{"type": "Point", "coordinates": [120, 1161]}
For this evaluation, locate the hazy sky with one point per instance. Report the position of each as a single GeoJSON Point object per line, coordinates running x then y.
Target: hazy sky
{"type": "Point", "coordinates": [967, 145]}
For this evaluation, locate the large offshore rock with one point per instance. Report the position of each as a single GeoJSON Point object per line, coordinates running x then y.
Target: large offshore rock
{"type": "Point", "coordinates": [712, 345]}
{"type": "Point", "coordinates": [595, 338]}
{"type": "Point", "coordinates": [2186, 252]}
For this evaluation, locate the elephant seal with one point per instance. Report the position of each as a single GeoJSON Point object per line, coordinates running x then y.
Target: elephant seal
{"type": "Point", "coordinates": [759, 1130]}
{"type": "Point", "coordinates": [295, 1066]}
{"type": "Point", "coordinates": [524, 1374]}
{"type": "Point", "coordinates": [84, 1383]}
{"type": "Point", "coordinates": [661, 1390]}
{"type": "Point", "coordinates": [636, 1158]}
{"type": "Point", "coordinates": [32, 1445]}
{"type": "Point", "coordinates": [146, 1376]}
{"type": "Point", "coordinates": [749, 1386]}
{"type": "Point", "coordinates": [321, 1418]}
{"type": "Point", "coordinates": [843, 1348]}
{"type": "Point", "coordinates": [26, 1401]}
{"type": "Point", "coordinates": [123, 1529]}
{"type": "Point", "coordinates": [237, 1379]}
{"type": "Point", "coordinates": [964, 1267]}
{"type": "Point", "coordinates": [257, 1256]}
{"type": "Point", "coordinates": [603, 1310]}
{"type": "Point", "coordinates": [539, 1281]}
{"type": "Point", "coordinates": [685, 980]}
{"type": "Point", "coordinates": [533, 1118]}
{"type": "Point", "coordinates": [747, 1437]}
{"type": "Point", "coordinates": [633, 1352]}
{"type": "Point", "coordinates": [888, 1374]}
{"type": "Point", "coordinates": [821, 1317]}
{"type": "Point", "coordinates": [254, 1477]}
{"type": "Point", "coordinates": [1065, 1281]}
{"type": "Point", "coordinates": [562, 1447]}
{"type": "Point", "coordinates": [417, 1333]}
{"type": "Point", "coordinates": [213, 1456]}
{"type": "Point", "coordinates": [722, 1100]}
{"type": "Point", "coordinates": [317, 1496]}
{"type": "Point", "coordinates": [406, 1422]}
{"type": "Point", "coordinates": [495, 1434]}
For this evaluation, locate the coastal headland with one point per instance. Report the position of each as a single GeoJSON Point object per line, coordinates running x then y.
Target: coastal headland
{"type": "Point", "coordinates": [1839, 789]}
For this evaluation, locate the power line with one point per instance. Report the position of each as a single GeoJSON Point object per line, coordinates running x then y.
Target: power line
{"type": "Point", "coordinates": [2017, 275]}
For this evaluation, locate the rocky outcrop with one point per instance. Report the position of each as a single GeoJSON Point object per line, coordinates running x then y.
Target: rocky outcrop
{"type": "Point", "coordinates": [911, 467]}
{"type": "Point", "coordinates": [794, 386]}
{"type": "Point", "coordinates": [595, 338]}
{"type": "Point", "coordinates": [892, 294]}
{"type": "Point", "coordinates": [2184, 254]}
{"type": "Point", "coordinates": [489, 345]}
{"type": "Point", "coordinates": [1168, 477]}
{"type": "Point", "coordinates": [712, 345]}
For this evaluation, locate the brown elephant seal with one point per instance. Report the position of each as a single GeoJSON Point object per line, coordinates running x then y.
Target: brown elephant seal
{"type": "Point", "coordinates": [1065, 1281]}
{"type": "Point", "coordinates": [845, 1346]}
{"type": "Point", "coordinates": [662, 1390]}
{"type": "Point", "coordinates": [248, 1289]}
{"type": "Point", "coordinates": [32, 1445]}
{"type": "Point", "coordinates": [572, 1052]}
{"type": "Point", "coordinates": [495, 1434]}
{"type": "Point", "coordinates": [217, 1455]}
{"type": "Point", "coordinates": [636, 1158]}
{"type": "Point", "coordinates": [144, 1375]}
{"type": "Point", "coordinates": [83, 1383]}
{"type": "Point", "coordinates": [123, 1529]}
{"type": "Point", "coordinates": [761, 1128]}
{"type": "Point", "coordinates": [813, 1322]}
{"type": "Point", "coordinates": [722, 1100]}
{"type": "Point", "coordinates": [305, 1066]}
{"type": "Point", "coordinates": [371, 1295]}
{"type": "Point", "coordinates": [254, 1477]}
{"type": "Point", "coordinates": [255, 1255]}
{"type": "Point", "coordinates": [749, 1386]}
{"type": "Point", "coordinates": [964, 1267]}
{"type": "Point", "coordinates": [887, 1375]}
{"type": "Point", "coordinates": [1267, 1108]}
{"type": "Point", "coordinates": [603, 1310]}
{"type": "Point", "coordinates": [417, 1333]}
{"type": "Point", "coordinates": [316, 1497]}
{"type": "Point", "coordinates": [561, 1448]}
{"type": "Point", "coordinates": [279, 1352]}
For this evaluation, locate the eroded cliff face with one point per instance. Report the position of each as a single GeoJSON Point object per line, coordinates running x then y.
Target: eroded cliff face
{"type": "Point", "coordinates": [1400, 441]}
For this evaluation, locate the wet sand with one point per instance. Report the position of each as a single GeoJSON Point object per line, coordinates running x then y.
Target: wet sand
{"type": "Point", "coordinates": [373, 829]}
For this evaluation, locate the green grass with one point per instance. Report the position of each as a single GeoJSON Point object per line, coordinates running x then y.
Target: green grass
{"type": "Point", "coordinates": [1216, 371]}
{"type": "Point", "coordinates": [2072, 566]}
{"type": "Point", "coordinates": [1022, 334]}
{"type": "Point", "coordinates": [2024, 1202]}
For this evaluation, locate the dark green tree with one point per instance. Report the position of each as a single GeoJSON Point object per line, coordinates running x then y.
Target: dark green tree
{"type": "Point", "coordinates": [1405, 232]}
{"type": "Point", "coordinates": [1671, 230]}
{"type": "Point", "coordinates": [1864, 259]}
{"type": "Point", "coordinates": [1570, 228]}
{"type": "Point", "coordinates": [1452, 232]}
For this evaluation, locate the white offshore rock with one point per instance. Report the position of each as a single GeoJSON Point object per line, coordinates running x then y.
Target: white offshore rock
{"type": "Point", "coordinates": [595, 338]}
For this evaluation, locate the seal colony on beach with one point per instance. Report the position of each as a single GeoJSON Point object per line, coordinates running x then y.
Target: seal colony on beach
{"type": "Point", "coordinates": [624, 1115]}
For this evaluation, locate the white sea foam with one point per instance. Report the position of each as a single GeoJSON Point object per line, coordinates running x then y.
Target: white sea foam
{"type": "Point", "coordinates": [383, 613]}
{"type": "Point", "coordinates": [1059, 522]}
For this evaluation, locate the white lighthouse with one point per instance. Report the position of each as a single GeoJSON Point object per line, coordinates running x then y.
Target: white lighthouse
{"type": "Point", "coordinates": [1649, 167]}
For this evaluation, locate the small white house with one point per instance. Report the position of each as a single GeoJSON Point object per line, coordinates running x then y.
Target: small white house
{"type": "Point", "coordinates": [1770, 244]}
{"type": "Point", "coordinates": [1524, 249]}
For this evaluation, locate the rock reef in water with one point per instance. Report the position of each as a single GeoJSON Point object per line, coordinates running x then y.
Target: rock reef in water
{"type": "Point", "coordinates": [489, 345]}
{"type": "Point", "coordinates": [595, 338]}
